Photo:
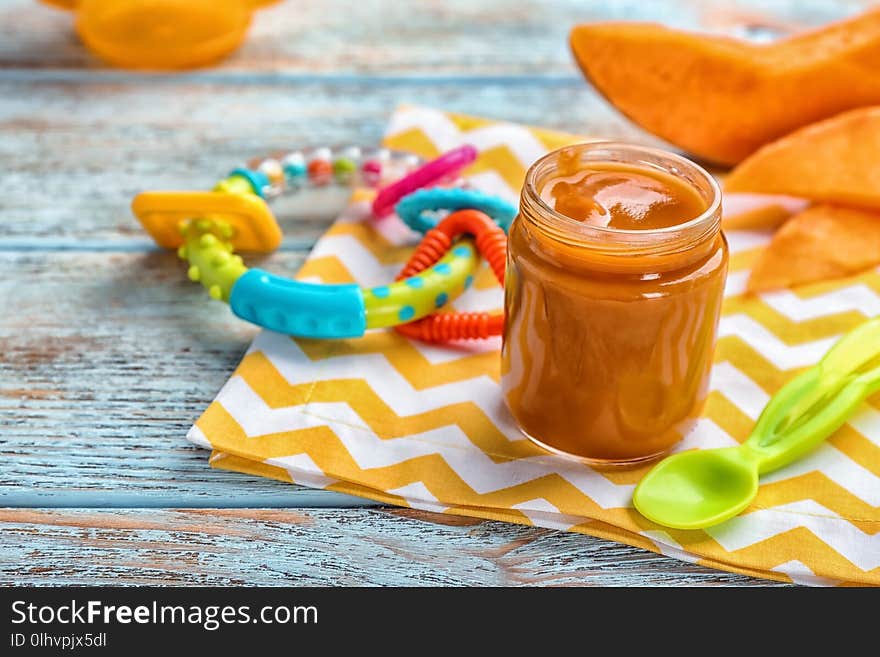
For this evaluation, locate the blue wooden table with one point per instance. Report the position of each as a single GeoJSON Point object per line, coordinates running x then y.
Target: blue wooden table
{"type": "Point", "coordinates": [107, 354]}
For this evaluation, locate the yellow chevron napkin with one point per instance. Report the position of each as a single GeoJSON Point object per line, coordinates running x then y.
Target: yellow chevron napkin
{"type": "Point", "coordinates": [424, 426]}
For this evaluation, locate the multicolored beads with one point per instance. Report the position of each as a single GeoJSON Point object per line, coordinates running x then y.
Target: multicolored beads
{"type": "Point", "coordinates": [318, 167]}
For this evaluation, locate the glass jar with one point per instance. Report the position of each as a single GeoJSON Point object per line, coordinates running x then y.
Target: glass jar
{"type": "Point", "coordinates": [609, 333]}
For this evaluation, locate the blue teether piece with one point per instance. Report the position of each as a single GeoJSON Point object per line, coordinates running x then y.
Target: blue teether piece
{"type": "Point", "coordinates": [257, 179]}
{"type": "Point", "coordinates": [413, 209]}
{"type": "Point", "coordinates": [307, 310]}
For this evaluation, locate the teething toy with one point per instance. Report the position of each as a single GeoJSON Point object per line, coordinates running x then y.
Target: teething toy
{"type": "Point", "coordinates": [207, 227]}
{"type": "Point", "coordinates": [702, 488]}
{"type": "Point", "coordinates": [161, 34]}
{"type": "Point", "coordinates": [492, 244]}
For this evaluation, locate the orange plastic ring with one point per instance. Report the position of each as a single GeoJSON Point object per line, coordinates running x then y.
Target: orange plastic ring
{"type": "Point", "coordinates": [491, 243]}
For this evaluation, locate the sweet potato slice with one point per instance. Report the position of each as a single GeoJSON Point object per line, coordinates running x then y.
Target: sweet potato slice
{"type": "Point", "coordinates": [759, 211]}
{"type": "Point", "coordinates": [768, 216]}
{"type": "Point", "coordinates": [721, 99]}
{"type": "Point", "coordinates": [836, 161]}
{"type": "Point", "coordinates": [822, 242]}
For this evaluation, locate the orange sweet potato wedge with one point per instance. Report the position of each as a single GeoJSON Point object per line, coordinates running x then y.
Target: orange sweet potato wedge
{"type": "Point", "coordinates": [721, 99]}
{"type": "Point", "coordinates": [836, 160]}
{"type": "Point", "coordinates": [759, 211]}
{"type": "Point", "coordinates": [769, 216]}
{"type": "Point", "coordinates": [823, 242]}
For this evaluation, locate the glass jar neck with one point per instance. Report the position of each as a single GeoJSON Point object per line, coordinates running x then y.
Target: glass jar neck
{"type": "Point", "coordinates": [663, 248]}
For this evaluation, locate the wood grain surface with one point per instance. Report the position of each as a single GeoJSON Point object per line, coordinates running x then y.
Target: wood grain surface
{"type": "Point", "coordinates": [107, 354]}
{"type": "Point", "coordinates": [317, 547]}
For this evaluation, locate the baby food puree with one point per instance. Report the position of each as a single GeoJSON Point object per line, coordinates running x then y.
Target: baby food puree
{"type": "Point", "coordinates": [616, 269]}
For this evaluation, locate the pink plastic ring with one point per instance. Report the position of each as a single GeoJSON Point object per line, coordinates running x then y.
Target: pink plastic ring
{"type": "Point", "coordinates": [432, 173]}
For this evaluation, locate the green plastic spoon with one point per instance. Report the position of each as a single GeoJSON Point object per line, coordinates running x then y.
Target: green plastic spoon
{"type": "Point", "coordinates": [701, 488]}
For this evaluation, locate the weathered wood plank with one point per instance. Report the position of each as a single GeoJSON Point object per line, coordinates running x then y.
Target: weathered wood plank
{"type": "Point", "coordinates": [73, 166]}
{"type": "Point", "coordinates": [318, 548]}
{"type": "Point", "coordinates": [491, 36]}
{"type": "Point", "coordinates": [105, 361]}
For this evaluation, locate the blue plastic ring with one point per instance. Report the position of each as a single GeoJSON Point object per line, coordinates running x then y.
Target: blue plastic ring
{"type": "Point", "coordinates": [257, 179]}
{"type": "Point", "coordinates": [306, 310]}
{"type": "Point", "coordinates": [413, 209]}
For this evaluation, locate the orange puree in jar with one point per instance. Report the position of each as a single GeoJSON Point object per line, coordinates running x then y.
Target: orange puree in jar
{"type": "Point", "coordinates": [615, 275]}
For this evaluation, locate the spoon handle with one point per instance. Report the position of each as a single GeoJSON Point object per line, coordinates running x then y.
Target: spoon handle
{"type": "Point", "coordinates": [817, 402]}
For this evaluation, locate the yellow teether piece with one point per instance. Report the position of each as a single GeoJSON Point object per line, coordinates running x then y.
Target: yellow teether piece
{"type": "Point", "coordinates": [245, 219]}
{"type": "Point", "coordinates": [161, 34]}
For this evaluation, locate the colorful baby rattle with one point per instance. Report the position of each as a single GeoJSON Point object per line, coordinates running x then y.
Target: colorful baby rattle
{"type": "Point", "coordinates": [207, 227]}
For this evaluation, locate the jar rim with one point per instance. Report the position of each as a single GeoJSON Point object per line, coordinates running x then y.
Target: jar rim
{"type": "Point", "coordinates": [708, 220]}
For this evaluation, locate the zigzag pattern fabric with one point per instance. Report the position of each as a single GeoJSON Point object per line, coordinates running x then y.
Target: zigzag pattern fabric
{"type": "Point", "coordinates": [424, 426]}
